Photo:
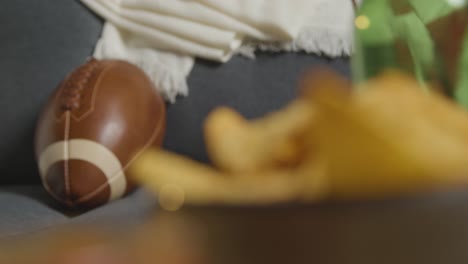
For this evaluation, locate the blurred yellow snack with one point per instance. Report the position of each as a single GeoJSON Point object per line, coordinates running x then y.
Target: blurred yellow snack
{"type": "Point", "coordinates": [237, 145]}
{"type": "Point", "coordinates": [383, 138]}
{"type": "Point", "coordinates": [390, 138]}
{"type": "Point", "coordinates": [158, 169]}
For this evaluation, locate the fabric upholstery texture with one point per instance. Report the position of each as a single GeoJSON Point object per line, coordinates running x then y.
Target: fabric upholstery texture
{"type": "Point", "coordinates": [41, 42]}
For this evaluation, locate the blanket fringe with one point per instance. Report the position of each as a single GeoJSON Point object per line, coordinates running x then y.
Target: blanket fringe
{"type": "Point", "coordinates": [330, 42]}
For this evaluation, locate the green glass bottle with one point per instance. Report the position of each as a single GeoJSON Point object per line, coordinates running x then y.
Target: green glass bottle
{"type": "Point", "coordinates": [426, 38]}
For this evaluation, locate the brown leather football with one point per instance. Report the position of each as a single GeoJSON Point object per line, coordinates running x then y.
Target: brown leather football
{"type": "Point", "coordinates": [96, 123]}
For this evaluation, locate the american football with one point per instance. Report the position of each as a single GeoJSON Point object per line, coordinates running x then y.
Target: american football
{"type": "Point", "coordinates": [96, 123]}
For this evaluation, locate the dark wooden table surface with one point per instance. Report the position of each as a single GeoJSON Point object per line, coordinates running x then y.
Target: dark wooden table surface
{"type": "Point", "coordinates": [424, 229]}
{"type": "Point", "coordinates": [430, 229]}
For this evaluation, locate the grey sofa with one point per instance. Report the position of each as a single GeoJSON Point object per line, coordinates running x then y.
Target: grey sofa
{"type": "Point", "coordinates": [41, 41]}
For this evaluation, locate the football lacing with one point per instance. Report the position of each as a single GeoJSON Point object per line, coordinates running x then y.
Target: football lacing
{"type": "Point", "coordinates": [75, 84]}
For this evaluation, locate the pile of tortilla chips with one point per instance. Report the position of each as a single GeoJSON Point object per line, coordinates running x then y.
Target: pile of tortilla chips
{"type": "Point", "coordinates": [386, 137]}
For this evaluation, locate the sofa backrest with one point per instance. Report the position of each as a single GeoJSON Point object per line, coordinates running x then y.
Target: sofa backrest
{"type": "Point", "coordinates": [41, 41]}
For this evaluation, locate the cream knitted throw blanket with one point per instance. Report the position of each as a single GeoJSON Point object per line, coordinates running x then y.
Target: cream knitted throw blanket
{"type": "Point", "coordinates": [164, 36]}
